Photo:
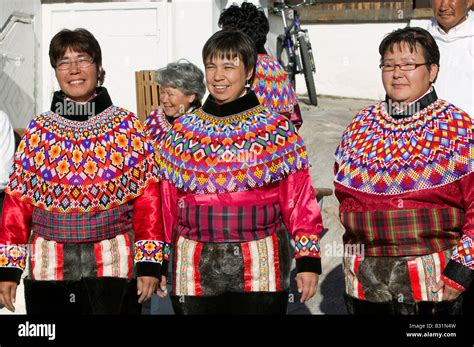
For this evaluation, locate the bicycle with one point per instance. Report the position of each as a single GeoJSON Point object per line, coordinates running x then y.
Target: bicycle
{"type": "Point", "coordinates": [291, 43]}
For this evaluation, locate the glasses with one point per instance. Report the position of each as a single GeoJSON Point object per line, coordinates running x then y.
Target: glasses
{"type": "Point", "coordinates": [403, 66]}
{"type": "Point", "coordinates": [81, 63]}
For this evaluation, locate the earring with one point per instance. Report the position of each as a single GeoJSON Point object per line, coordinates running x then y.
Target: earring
{"type": "Point", "coordinates": [247, 84]}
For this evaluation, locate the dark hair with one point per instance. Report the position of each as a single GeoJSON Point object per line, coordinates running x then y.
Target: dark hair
{"type": "Point", "coordinates": [249, 19]}
{"type": "Point", "coordinates": [78, 40]}
{"type": "Point", "coordinates": [230, 44]}
{"type": "Point", "coordinates": [412, 36]}
{"type": "Point", "coordinates": [184, 76]}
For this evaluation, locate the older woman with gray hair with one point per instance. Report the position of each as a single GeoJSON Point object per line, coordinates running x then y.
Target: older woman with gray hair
{"type": "Point", "coordinates": [181, 91]}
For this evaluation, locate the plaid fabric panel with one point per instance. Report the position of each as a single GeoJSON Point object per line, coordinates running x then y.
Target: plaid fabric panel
{"type": "Point", "coordinates": [464, 252]}
{"type": "Point", "coordinates": [83, 227]}
{"type": "Point", "coordinates": [403, 232]}
{"type": "Point", "coordinates": [228, 223]}
{"type": "Point", "coordinates": [13, 257]}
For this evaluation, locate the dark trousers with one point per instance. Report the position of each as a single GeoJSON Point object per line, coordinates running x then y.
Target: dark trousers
{"type": "Point", "coordinates": [424, 308]}
{"type": "Point", "coordinates": [468, 301]}
{"type": "Point", "coordinates": [274, 303]}
{"type": "Point", "coordinates": [105, 295]}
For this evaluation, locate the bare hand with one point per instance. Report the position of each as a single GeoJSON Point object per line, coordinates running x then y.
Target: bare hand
{"type": "Point", "coordinates": [146, 286]}
{"type": "Point", "coordinates": [449, 292]}
{"type": "Point", "coordinates": [8, 295]}
{"type": "Point", "coordinates": [161, 289]}
{"type": "Point", "coordinates": [307, 283]}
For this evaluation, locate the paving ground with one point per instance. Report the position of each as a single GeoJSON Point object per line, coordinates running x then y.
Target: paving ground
{"type": "Point", "coordinates": [321, 131]}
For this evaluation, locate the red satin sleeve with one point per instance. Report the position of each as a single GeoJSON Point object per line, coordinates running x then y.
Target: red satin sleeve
{"type": "Point", "coordinates": [147, 216]}
{"type": "Point", "coordinates": [15, 228]}
{"type": "Point", "coordinates": [467, 192]}
{"type": "Point", "coordinates": [300, 212]}
{"type": "Point", "coordinates": [169, 197]}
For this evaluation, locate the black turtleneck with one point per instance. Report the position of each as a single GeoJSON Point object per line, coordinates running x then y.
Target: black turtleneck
{"type": "Point", "coordinates": [412, 108]}
{"type": "Point", "coordinates": [261, 50]}
{"type": "Point", "coordinates": [80, 112]}
{"type": "Point", "coordinates": [242, 104]}
{"type": "Point", "coordinates": [170, 119]}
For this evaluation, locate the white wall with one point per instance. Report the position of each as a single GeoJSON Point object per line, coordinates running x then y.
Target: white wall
{"type": "Point", "coordinates": [181, 29]}
{"type": "Point", "coordinates": [347, 59]}
{"type": "Point", "coordinates": [346, 56]}
{"type": "Point", "coordinates": [133, 36]}
{"type": "Point", "coordinates": [19, 62]}
{"type": "Point", "coordinates": [191, 23]}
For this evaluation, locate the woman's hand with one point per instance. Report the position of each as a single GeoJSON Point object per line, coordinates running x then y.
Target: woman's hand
{"type": "Point", "coordinates": [161, 289]}
{"type": "Point", "coordinates": [146, 286]}
{"type": "Point", "coordinates": [8, 295]}
{"type": "Point", "coordinates": [307, 283]}
{"type": "Point", "coordinates": [449, 292]}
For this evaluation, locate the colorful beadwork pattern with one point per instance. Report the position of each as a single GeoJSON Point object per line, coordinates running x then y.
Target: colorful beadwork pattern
{"type": "Point", "coordinates": [271, 85]}
{"type": "Point", "coordinates": [167, 252]}
{"type": "Point", "coordinates": [307, 245]}
{"type": "Point", "coordinates": [157, 126]}
{"type": "Point", "coordinates": [208, 154]}
{"type": "Point", "coordinates": [69, 166]}
{"type": "Point", "coordinates": [431, 276]}
{"type": "Point", "coordinates": [382, 155]}
{"type": "Point", "coordinates": [464, 252]}
{"type": "Point", "coordinates": [13, 257]}
{"type": "Point", "coordinates": [264, 265]}
{"type": "Point", "coordinates": [149, 251]}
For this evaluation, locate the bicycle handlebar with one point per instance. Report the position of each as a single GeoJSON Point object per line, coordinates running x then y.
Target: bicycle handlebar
{"type": "Point", "coordinates": [281, 6]}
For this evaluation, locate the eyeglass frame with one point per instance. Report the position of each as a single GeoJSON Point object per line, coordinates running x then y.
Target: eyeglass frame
{"type": "Point", "coordinates": [403, 65]}
{"type": "Point", "coordinates": [69, 63]}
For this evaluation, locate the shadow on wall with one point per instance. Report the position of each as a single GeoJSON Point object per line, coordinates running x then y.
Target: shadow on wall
{"type": "Point", "coordinates": [332, 290]}
{"type": "Point", "coordinates": [17, 104]}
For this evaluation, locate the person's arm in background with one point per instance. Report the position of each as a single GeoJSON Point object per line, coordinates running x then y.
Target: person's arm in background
{"type": "Point", "coordinates": [303, 220]}
{"type": "Point", "coordinates": [15, 221]}
{"type": "Point", "coordinates": [15, 229]}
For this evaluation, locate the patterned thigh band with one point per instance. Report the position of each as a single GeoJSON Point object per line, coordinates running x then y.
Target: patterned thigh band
{"type": "Point", "coordinates": [403, 279]}
{"type": "Point", "coordinates": [202, 269]}
{"type": "Point", "coordinates": [54, 261]}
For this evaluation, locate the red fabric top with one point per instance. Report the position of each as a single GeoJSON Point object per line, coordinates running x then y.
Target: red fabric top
{"type": "Point", "coordinates": [295, 195]}
{"type": "Point", "coordinates": [16, 225]}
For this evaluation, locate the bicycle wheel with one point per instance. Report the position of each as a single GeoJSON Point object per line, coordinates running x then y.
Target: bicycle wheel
{"type": "Point", "coordinates": [284, 58]}
{"type": "Point", "coordinates": [308, 71]}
